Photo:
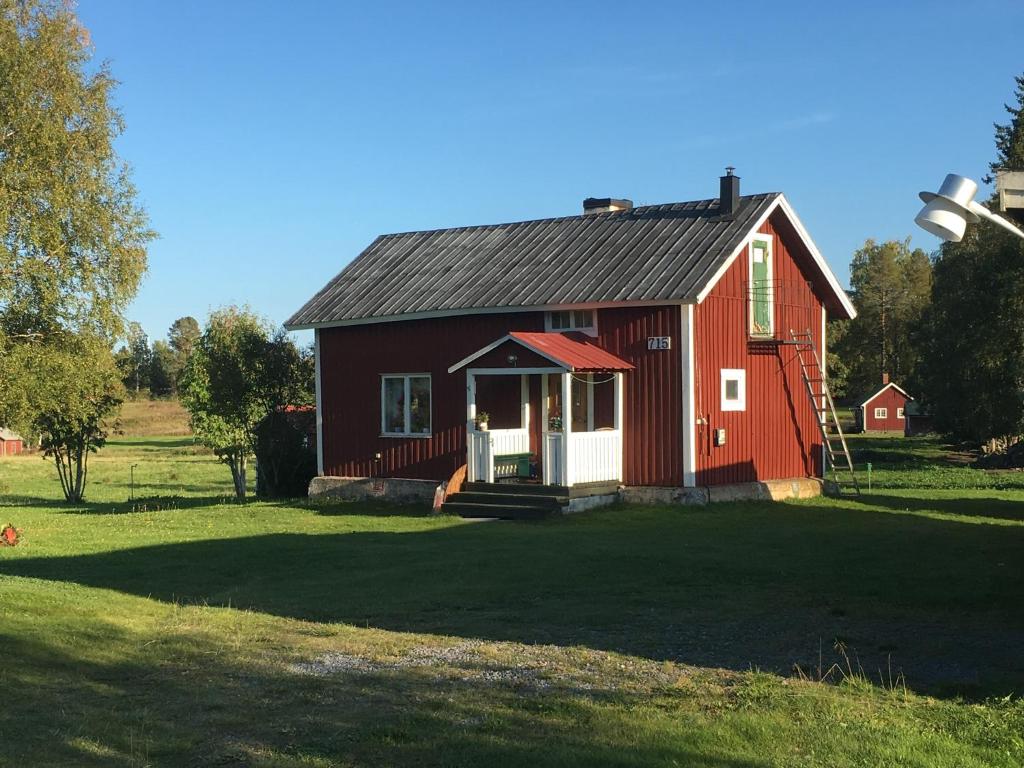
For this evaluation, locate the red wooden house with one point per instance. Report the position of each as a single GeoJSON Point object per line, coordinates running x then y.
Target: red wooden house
{"type": "Point", "coordinates": [628, 347]}
{"type": "Point", "coordinates": [11, 443]}
{"type": "Point", "coordinates": [882, 411]}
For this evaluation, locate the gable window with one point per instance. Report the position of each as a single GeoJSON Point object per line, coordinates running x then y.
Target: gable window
{"type": "Point", "coordinates": [584, 320]}
{"type": "Point", "coordinates": [734, 389]}
{"type": "Point", "coordinates": [762, 298]}
{"type": "Point", "coordinates": [405, 405]}
{"type": "Point", "coordinates": [899, 413]}
{"type": "Point", "coordinates": [881, 413]}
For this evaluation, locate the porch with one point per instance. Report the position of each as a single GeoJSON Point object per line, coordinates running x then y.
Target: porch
{"type": "Point", "coordinates": [554, 421]}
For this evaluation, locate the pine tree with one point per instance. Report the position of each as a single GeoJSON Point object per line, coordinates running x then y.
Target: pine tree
{"type": "Point", "coordinates": [972, 335]}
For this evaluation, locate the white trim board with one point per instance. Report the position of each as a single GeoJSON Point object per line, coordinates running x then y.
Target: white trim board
{"type": "Point", "coordinates": [689, 396]}
{"type": "Point", "coordinates": [495, 344]}
{"type": "Point", "coordinates": [319, 389]}
{"type": "Point", "coordinates": [436, 313]}
{"type": "Point", "coordinates": [819, 260]}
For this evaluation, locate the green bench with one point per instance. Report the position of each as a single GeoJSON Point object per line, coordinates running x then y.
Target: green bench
{"type": "Point", "coordinates": [509, 466]}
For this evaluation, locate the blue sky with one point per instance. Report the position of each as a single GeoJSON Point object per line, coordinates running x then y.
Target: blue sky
{"type": "Point", "coordinates": [271, 142]}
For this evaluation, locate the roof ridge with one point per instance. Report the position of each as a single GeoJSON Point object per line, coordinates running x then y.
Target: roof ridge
{"type": "Point", "coordinates": [596, 216]}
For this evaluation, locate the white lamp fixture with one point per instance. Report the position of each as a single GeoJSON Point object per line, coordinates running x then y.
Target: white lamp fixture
{"type": "Point", "coordinates": [947, 212]}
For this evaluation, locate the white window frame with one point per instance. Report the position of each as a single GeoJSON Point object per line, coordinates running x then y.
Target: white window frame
{"type": "Point", "coordinates": [590, 330]}
{"type": "Point", "coordinates": [739, 375]}
{"type": "Point", "coordinates": [407, 415]}
{"type": "Point", "coordinates": [899, 413]}
{"type": "Point", "coordinates": [881, 414]}
{"type": "Point", "coordinates": [770, 241]}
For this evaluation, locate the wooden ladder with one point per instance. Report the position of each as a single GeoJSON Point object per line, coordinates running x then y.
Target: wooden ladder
{"type": "Point", "coordinates": [837, 452]}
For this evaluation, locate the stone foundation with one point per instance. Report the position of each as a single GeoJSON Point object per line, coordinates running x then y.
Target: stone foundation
{"type": "Point", "coordinates": [392, 489]}
{"type": "Point", "coordinates": [768, 490]}
{"type": "Point", "coordinates": [402, 491]}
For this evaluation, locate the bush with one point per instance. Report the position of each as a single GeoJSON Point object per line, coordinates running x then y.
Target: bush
{"type": "Point", "coordinates": [285, 453]}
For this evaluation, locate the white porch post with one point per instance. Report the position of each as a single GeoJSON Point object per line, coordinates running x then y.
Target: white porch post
{"type": "Point", "coordinates": [566, 427]}
{"type": "Point", "coordinates": [470, 401]}
{"type": "Point", "coordinates": [618, 426]}
{"type": "Point", "coordinates": [524, 399]}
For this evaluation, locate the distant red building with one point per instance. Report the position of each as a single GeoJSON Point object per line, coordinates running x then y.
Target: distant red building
{"type": "Point", "coordinates": [10, 442]}
{"type": "Point", "coordinates": [884, 410]}
{"type": "Point", "coordinates": [648, 346]}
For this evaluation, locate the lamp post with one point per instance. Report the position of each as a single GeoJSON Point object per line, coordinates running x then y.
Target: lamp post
{"type": "Point", "coordinates": [947, 212]}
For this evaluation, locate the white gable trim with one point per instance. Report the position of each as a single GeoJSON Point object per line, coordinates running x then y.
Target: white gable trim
{"type": "Point", "coordinates": [819, 260]}
{"type": "Point", "coordinates": [897, 387]}
{"type": "Point", "coordinates": [495, 344]}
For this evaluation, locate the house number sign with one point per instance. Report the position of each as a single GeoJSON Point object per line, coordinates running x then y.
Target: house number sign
{"type": "Point", "coordinates": [659, 342]}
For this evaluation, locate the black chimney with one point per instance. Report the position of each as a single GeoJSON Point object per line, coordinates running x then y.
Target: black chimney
{"type": "Point", "coordinates": [729, 193]}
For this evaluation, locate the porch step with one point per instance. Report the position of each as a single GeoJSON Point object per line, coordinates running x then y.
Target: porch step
{"type": "Point", "coordinates": [504, 511]}
{"type": "Point", "coordinates": [530, 489]}
{"type": "Point", "coordinates": [511, 499]}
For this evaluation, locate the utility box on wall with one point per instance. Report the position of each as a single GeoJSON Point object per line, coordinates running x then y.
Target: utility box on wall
{"type": "Point", "coordinates": [1010, 186]}
{"type": "Point", "coordinates": [720, 436]}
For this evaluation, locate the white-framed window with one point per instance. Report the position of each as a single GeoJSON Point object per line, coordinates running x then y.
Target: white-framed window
{"type": "Point", "coordinates": [734, 389]}
{"type": "Point", "coordinates": [584, 320]}
{"type": "Point", "coordinates": [881, 413]}
{"type": "Point", "coordinates": [405, 405]}
{"type": "Point", "coordinates": [899, 413]}
{"type": "Point", "coordinates": [761, 304]}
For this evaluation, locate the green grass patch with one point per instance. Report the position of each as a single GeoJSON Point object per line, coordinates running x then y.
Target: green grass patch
{"type": "Point", "coordinates": [186, 629]}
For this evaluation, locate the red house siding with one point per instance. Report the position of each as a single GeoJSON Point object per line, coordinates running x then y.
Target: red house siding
{"type": "Point", "coordinates": [352, 359]}
{"type": "Point", "coordinates": [776, 436]}
{"type": "Point", "coordinates": [10, 447]}
{"type": "Point", "coordinates": [891, 399]}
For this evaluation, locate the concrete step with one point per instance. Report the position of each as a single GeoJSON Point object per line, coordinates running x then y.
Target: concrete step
{"type": "Point", "coordinates": [504, 511]}
{"type": "Point", "coordinates": [513, 499]}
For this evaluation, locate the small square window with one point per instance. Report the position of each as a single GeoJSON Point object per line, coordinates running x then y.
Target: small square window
{"type": "Point", "coordinates": [899, 413]}
{"type": "Point", "coordinates": [734, 389]}
{"type": "Point", "coordinates": [572, 320]}
{"type": "Point", "coordinates": [881, 413]}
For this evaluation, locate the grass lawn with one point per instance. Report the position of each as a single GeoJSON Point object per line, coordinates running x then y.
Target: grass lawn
{"type": "Point", "coordinates": [179, 628]}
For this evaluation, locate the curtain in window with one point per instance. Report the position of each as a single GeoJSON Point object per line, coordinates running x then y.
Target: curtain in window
{"type": "Point", "coordinates": [394, 405]}
{"type": "Point", "coordinates": [419, 404]}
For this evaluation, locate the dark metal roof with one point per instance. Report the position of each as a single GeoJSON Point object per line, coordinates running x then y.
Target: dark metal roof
{"type": "Point", "coordinates": [651, 253]}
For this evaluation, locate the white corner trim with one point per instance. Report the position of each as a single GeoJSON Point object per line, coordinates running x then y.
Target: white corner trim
{"type": "Point", "coordinates": [689, 396]}
{"type": "Point", "coordinates": [319, 389]}
{"type": "Point", "coordinates": [819, 260]}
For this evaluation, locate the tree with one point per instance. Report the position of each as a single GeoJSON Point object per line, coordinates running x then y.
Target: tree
{"type": "Point", "coordinates": [70, 389]}
{"type": "Point", "coordinates": [972, 372]}
{"type": "Point", "coordinates": [135, 359]}
{"type": "Point", "coordinates": [891, 285]}
{"type": "Point", "coordinates": [1010, 137]}
{"type": "Point", "coordinates": [73, 237]}
{"type": "Point", "coordinates": [238, 374]}
{"type": "Point", "coordinates": [182, 337]}
{"type": "Point", "coordinates": [162, 374]}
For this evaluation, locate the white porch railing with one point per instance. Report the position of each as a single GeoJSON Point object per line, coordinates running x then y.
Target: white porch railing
{"type": "Point", "coordinates": [595, 456]}
{"type": "Point", "coordinates": [484, 446]}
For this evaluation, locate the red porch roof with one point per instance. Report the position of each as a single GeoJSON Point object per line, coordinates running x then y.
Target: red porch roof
{"type": "Point", "coordinates": [566, 350]}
